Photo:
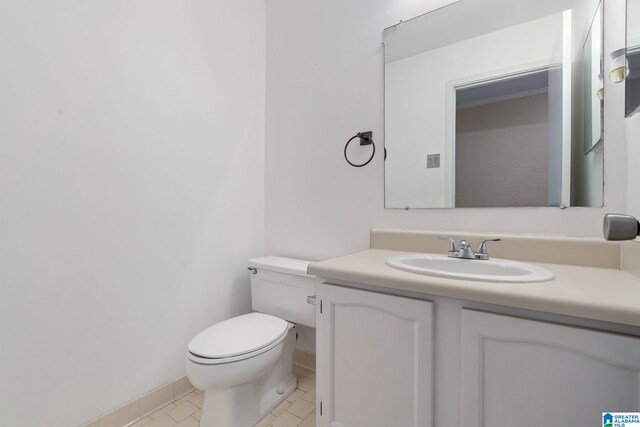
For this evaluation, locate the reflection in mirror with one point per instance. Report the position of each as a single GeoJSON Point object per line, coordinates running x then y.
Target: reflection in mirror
{"type": "Point", "coordinates": [502, 136]}
{"type": "Point", "coordinates": [633, 58]}
{"type": "Point", "coordinates": [494, 103]}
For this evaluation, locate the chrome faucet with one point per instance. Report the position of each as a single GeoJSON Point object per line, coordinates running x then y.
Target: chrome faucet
{"type": "Point", "coordinates": [464, 250]}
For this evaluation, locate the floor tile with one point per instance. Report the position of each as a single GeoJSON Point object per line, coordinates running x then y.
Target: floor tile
{"type": "Point", "coordinates": [188, 422]}
{"type": "Point", "coordinates": [306, 384]}
{"type": "Point", "coordinates": [182, 411]}
{"type": "Point", "coordinates": [286, 419]}
{"type": "Point", "coordinates": [156, 399]}
{"type": "Point", "coordinates": [310, 421]}
{"type": "Point", "coordinates": [142, 422]}
{"type": "Point", "coordinates": [295, 395]}
{"type": "Point", "coordinates": [266, 421]}
{"type": "Point", "coordinates": [197, 400]}
{"type": "Point", "coordinates": [280, 408]}
{"type": "Point", "coordinates": [301, 408]}
{"type": "Point", "coordinates": [185, 398]}
{"type": "Point", "coordinates": [310, 396]}
{"type": "Point", "coordinates": [163, 410]}
{"type": "Point", "coordinates": [163, 420]}
{"type": "Point", "coordinates": [297, 410]}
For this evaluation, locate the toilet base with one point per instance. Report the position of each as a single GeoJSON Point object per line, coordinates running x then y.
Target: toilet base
{"type": "Point", "coordinates": [246, 404]}
{"type": "Point", "coordinates": [273, 399]}
{"type": "Point", "coordinates": [237, 406]}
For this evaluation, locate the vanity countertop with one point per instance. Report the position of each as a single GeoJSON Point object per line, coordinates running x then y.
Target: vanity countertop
{"type": "Point", "coordinates": [599, 293]}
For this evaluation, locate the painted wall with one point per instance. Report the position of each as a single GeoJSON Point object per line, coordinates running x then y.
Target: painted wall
{"type": "Point", "coordinates": [633, 135]}
{"type": "Point", "coordinates": [416, 103]}
{"type": "Point", "coordinates": [131, 174]}
{"type": "Point", "coordinates": [633, 31]}
{"type": "Point", "coordinates": [325, 83]}
{"type": "Point", "coordinates": [632, 126]}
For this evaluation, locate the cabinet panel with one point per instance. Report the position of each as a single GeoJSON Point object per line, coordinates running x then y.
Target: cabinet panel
{"type": "Point", "coordinates": [375, 360]}
{"type": "Point", "coordinates": [523, 372]}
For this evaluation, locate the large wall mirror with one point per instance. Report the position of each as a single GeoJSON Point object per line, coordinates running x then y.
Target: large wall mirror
{"type": "Point", "coordinates": [495, 103]}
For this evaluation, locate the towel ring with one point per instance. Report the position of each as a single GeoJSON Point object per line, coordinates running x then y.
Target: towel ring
{"type": "Point", "coordinates": [366, 138]}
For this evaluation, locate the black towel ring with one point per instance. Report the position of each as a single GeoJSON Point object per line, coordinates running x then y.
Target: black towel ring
{"type": "Point", "coordinates": [366, 138]}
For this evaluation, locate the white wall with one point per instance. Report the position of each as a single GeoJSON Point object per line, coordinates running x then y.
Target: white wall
{"type": "Point", "coordinates": [131, 183]}
{"type": "Point", "coordinates": [633, 138]}
{"type": "Point", "coordinates": [417, 88]}
{"type": "Point", "coordinates": [634, 17]}
{"type": "Point", "coordinates": [633, 131]}
{"type": "Point", "coordinates": [325, 83]}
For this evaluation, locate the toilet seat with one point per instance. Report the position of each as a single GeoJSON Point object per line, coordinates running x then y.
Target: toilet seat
{"type": "Point", "coordinates": [220, 361]}
{"type": "Point", "coordinates": [238, 338]}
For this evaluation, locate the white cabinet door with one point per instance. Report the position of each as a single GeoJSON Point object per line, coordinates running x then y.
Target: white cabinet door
{"type": "Point", "coordinates": [518, 372]}
{"type": "Point", "coordinates": [375, 359]}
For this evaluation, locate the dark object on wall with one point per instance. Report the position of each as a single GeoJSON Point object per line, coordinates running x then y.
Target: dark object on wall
{"type": "Point", "coordinates": [620, 227]}
{"type": "Point", "coordinates": [366, 138]}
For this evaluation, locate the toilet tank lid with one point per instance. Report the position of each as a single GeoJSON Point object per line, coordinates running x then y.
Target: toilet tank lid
{"type": "Point", "coordinates": [282, 265]}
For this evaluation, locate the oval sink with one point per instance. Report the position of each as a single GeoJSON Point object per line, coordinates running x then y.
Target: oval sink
{"type": "Point", "coordinates": [492, 270]}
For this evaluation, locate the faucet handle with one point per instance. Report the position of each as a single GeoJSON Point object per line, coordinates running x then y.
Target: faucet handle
{"type": "Point", "coordinates": [452, 243]}
{"type": "Point", "coordinates": [482, 249]}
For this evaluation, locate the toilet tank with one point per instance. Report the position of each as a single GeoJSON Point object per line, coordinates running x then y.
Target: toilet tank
{"type": "Point", "coordinates": [280, 287]}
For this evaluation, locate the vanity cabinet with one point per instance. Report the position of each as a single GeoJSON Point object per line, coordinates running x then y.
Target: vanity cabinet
{"type": "Point", "coordinates": [404, 361]}
{"type": "Point", "coordinates": [374, 358]}
{"type": "Point", "coordinates": [523, 372]}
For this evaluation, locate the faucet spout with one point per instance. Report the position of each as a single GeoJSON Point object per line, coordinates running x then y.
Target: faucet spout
{"type": "Point", "coordinates": [464, 250]}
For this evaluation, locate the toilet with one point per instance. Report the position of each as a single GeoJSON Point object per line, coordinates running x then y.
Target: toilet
{"type": "Point", "coordinates": [244, 364]}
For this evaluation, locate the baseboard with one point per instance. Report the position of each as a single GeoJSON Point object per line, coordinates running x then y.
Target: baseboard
{"type": "Point", "coordinates": [305, 359]}
{"type": "Point", "coordinates": [150, 402]}
{"type": "Point", "coordinates": [144, 405]}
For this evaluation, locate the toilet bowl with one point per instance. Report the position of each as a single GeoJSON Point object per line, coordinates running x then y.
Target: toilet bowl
{"type": "Point", "coordinates": [244, 364]}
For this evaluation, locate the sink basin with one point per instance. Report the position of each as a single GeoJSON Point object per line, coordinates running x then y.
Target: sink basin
{"type": "Point", "coordinates": [492, 270]}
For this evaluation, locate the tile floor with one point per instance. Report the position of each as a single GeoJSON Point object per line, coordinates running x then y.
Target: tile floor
{"type": "Point", "coordinates": [298, 410]}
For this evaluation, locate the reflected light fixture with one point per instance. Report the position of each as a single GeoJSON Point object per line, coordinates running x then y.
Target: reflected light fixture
{"type": "Point", "coordinates": [619, 66]}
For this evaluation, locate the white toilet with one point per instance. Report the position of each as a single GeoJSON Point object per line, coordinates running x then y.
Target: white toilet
{"type": "Point", "coordinates": [244, 364]}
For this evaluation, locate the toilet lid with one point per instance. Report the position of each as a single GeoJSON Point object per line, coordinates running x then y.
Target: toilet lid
{"type": "Point", "coordinates": [238, 336]}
